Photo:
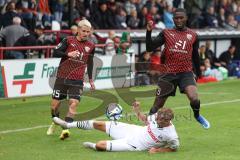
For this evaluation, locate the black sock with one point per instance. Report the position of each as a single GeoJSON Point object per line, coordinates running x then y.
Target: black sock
{"type": "Point", "coordinates": [54, 113]}
{"type": "Point", "coordinates": [153, 110]}
{"type": "Point", "coordinates": [195, 107]}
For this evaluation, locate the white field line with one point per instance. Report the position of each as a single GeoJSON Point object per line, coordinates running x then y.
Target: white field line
{"type": "Point", "coordinates": [213, 93]}
{"type": "Point", "coordinates": [176, 108]}
{"type": "Point", "coordinates": [23, 129]}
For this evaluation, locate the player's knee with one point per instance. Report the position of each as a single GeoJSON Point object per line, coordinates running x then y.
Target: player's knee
{"type": "Point", "coordinates": [193, 97]}
{"type": "Point", "coordinates": [101, 145]}
{"type": "Point", "coordinates": [55, 104]}
{"type": "Point", "coordinates": [99, 125]}
{"type": "Point", "coordinates": [73, 102]}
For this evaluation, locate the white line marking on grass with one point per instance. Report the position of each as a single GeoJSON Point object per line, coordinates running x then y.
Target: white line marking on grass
{"type": "Point", "coordinates": [213, 93]}
{"type": "Point", "coordinates": [23, 129]}
{"type": "Point", "coordinates": [209, 104]}
{"type": "Point", "coordinates": [176, 108]}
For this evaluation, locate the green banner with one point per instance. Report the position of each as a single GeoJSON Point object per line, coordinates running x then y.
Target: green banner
{"type": "Point", "coordinates": [112, 72]}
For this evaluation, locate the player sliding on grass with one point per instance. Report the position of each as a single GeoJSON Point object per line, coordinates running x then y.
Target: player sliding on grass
{"type": "Point", "coordinates": [76, 54]}
{"type": "Point", "coordinates": [159, 134]}
{"type": "Point", "coordinates": [179, 57]}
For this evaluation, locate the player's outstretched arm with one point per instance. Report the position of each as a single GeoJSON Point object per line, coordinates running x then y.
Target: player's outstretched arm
{"type": "Point", "coordinates": [160, 150]}
{"type": "Point", "coordinates": [139, 114]}
{"type": "Point", "coordinates": [152, 44]}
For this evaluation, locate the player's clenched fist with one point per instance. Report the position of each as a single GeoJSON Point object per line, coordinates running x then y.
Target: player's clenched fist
{"type": "Point", "coordinates": [149, 25]}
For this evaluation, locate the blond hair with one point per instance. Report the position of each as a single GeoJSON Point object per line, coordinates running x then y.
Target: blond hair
{"type": "Point", "coordinates": [84, 22]}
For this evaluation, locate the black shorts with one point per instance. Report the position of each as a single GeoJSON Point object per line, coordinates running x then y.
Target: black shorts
{"type": "Point", "coordinates": [64, 88]}
{"type": "Point", "coordinates": [181, 80]}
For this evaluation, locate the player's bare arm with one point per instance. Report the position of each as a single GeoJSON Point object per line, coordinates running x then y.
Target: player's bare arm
{"type": "Point", "coordinates": [137, 110]}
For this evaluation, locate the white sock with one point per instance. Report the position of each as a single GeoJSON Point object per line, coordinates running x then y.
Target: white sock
{"type": "Point", "coordinates": [86, 125]}
{"type": "Point", "coordinates": [90, 145]}
{"type": "Point", "coordinates": [109, 146]}
{"type": "Point", "coordinates": [72, 125]}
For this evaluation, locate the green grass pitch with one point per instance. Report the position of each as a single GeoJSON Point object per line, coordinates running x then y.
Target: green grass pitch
{"type": "Point", "coordinates": [23, 126]}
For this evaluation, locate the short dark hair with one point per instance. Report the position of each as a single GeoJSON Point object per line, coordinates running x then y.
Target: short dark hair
{"type": "Point", "coordinates": [165, 113]}
{"type": "Point", "coordinates": [180, 10]}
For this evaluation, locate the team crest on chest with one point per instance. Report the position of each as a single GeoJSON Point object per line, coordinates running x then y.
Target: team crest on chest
{"type": "Point", "coordinates": [87, 49]}
{"type": "Point", "coordinates": [189, 36]}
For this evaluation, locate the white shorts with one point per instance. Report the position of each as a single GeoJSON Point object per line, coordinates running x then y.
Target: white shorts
{"type": "Point", "coordinates": [119, 132]}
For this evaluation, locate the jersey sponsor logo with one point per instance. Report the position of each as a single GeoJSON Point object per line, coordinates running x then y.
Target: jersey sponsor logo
{"type": "Point", "coordinates": [154, 138]}
{"type": "Point", "coordinates": [180, 44]}
{"type": "Point", "coordinates": [189, 37]}
{"type": "Point", "coordinates": [87, 49]}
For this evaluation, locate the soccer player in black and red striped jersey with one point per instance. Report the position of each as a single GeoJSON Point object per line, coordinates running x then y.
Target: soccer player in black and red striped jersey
{"type": "Point", "coordinates": [76, 53]}
{"type": "Point", "coordinates": [180, 58]}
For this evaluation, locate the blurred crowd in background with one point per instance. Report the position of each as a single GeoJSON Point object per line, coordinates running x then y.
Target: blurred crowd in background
{"type": "Point", "coordinates": [121, 14]}
{"type": "Point", "coordinates": [24, 22]}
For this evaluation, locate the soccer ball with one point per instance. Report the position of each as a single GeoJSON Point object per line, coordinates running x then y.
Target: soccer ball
{"type": "Point", "coordinates": [114, 111]}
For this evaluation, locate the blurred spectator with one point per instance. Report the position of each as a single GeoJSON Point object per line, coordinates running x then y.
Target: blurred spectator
{"type": "Point", "coordinates": [125, 43]}
{"type": "Point", "coordinates": [221, 18]}
{"type": "Point", "coordinates": [142, 69]}
{"type": "Point", "coordinates": [211, 18]}
{"type": "Point", "coordinates": [209, 71]}
{"type": "Point", "coordinates": [7, 17]}
{"type": "Point", "coordinates": [155, 65]}
{"type": "Point", "coordinates": [111, 15]}
{"type": "Point", "coordinates": [57, 9]}
{"type": "Point", "coordinates": [194, 10]}
{"type": "Point", "coordinates": [177, 3]}
{"type": "Point", "coordinates": [129, 6]}
{"type": "Point", "coordinates": [168, 17]}
{"type": "Point", "coordinates": [28, 11]}
{"type": "Point", "coordinates": [154, 16]}
{"type": "Point", "coordinates": [203, 54]}
{"type": "Point", "coordinates": [142, 16]}
{"type": "Point", "coordinates": [227, 6]}
{"type": "Point", "coordinates": [212, 56]}
{"type": "Point", "coordinates": [44, 14]}
{"type": "Point", "coordinates": [210, 74]}
{"type": "Point", "coordinates": [36, 38]}
{"type": "Point", "coordinates": [11, 34]}
{"type": "Point", "coordinates": [121, 18]}
{"type": "Point", "coordinates": [133, 21]}
{"type": "Point", "coordinates": [231, 22]}
{"type": "Point", "coordinates": [99, 19]}
{"type": "Point", "coordinates": [237, 15]}
{"type": "Point", "coordinates": [226, 59]}
{"type": "Point", "coordinates": [73, 30]}
{"type": "Point", "coordinates": [110, 44]}
{"type": "Point", "coordinates": [83, 8]}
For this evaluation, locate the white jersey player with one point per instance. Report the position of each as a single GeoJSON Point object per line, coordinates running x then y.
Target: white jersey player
{"type": "Point", "coordinates": [159, 134]}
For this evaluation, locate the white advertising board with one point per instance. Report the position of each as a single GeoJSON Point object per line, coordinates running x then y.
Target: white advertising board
{"type": "Point", "coordinates": [32, 77]}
